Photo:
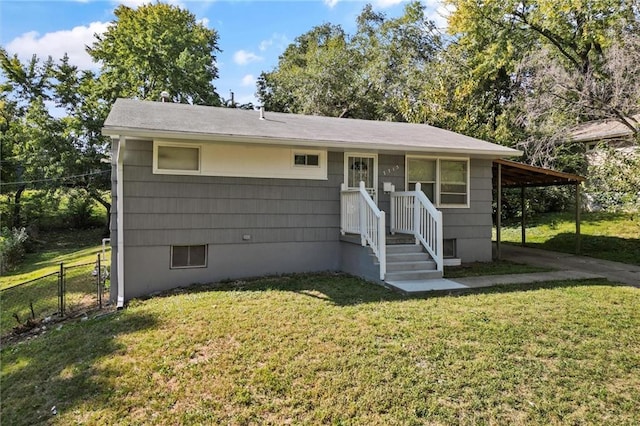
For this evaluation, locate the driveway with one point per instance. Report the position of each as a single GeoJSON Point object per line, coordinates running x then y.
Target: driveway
{"type": "Point", "coordinates": [614, 271]}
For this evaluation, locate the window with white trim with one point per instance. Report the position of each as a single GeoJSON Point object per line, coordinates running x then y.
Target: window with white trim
{"type": "Point", "coordinates": [445, 181]}
{"type": "Point", "coordinates": [453, 182]}
{"type": "Point", "coordinates": [176, 158]}
{"type": "Point", "coordinates": [306, 159]}
{"type": "Point", "coordinates": [189, 256]}
{"type": "Point", "coordinates": [422, 170]}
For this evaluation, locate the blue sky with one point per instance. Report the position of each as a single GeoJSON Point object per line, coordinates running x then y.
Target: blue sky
{"type": "Point", "coordinates": [252, 33]}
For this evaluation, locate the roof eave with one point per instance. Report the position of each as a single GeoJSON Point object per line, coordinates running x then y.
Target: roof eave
{"type": "Point", "coordinates": [208, 137]}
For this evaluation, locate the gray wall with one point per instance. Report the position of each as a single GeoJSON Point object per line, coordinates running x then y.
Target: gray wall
{"type": "Point", "coordinates": [472, 227]}
{"type": "Point", "coordinates": [294, 225]}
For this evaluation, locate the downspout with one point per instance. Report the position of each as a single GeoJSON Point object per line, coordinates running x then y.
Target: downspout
{"type": "Point", "coordinates": [120, 219]}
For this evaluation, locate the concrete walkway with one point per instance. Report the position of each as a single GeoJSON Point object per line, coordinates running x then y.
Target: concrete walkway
{"type": "Point", "coordinates": [572, 265]}
{"type": "Point", "coordinates": [568, 267]}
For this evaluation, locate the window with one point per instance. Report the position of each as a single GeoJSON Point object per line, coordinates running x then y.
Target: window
{"type": "Point", "coordinates": [449, 248]}
{"type": "Point", "coordinates": [453, 182]}
{"type": "Point", "coordinates": [189, 256]}
{"type": "Point", "coordinates": [312, 160]}
{"type": "Point", "coordinates": [444, 181]}
{"type": "Point", "coordinates": [422, 170]}
{"type": "Point", "coordinates": [176, 158]}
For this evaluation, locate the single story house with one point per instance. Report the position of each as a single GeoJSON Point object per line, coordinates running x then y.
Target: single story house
{"type": "Point", "coordinates": [611, 132]}
{"type": "Point", "coordinates": [202, 194]}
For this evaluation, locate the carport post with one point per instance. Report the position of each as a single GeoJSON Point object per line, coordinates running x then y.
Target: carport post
{"type": "Point", "coordinates": [578, 208]}
{"type": "Point", "coordinates": [523, 229]}
{"type": "Point", "coordinates": [499, 212]}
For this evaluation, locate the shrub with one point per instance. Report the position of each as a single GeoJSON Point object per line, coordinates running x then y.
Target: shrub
{"type": "Point", "coordinates": [11, 248]}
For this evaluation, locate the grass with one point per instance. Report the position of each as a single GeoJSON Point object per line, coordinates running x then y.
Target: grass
{"type": "Point", "coordinates": [609, 236]}
{"type": "Point", "coordinates": [330, 349]}
{"type": "Point", "coordinates": [70, 247]}
{"type": "Point", "coordinates": [39, 298]}
{"type": "Point", "coordinates": [497, 267]}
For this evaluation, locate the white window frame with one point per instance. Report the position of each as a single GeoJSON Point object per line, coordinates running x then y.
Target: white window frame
{"type": "Point", "coordinates": [437, 201]}
{"type": "Point", "coordinates": [206, 256]}
{"type": "Point", "coordinates": [295, 152]}
{"type": "Point", "coordinates": [157, 170]}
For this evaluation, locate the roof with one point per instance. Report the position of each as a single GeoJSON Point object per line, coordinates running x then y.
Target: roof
{"type": "Point", "coordinates": [602, 129]}
{"type": "Point", "coordinates": [517, 175]}
{"type": "Point", "coordinates": [146, 119]}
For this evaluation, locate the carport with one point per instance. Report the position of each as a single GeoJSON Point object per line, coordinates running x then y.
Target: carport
{"type": "Point", "coordinates": [511, 174]}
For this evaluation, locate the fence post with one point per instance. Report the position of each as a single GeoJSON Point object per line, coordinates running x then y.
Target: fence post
{"type": "Point", "coordinates": [99, 281]}
{"type": "Point", "coordinates": [61, 289]}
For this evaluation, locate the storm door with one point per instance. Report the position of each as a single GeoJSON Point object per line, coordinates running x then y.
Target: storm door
{"type": "Point", "coordinates": [362, 167]}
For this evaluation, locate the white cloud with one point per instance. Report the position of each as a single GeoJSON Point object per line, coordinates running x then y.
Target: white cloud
{"type": "Point", "coordinates": [242, 57]}
{"type": "Point", "coordinates": [57, 43]}
{"type": "Point", "coordinates": [280, 41]}
{"type": "Point", "coordinates": [134, 4]}
{"type": "Point", "coordinates": [248, 80]}
{"type": "Point", "coordinates": [383, 4]}
{"type": "Point", "coordinates": [331, 3]}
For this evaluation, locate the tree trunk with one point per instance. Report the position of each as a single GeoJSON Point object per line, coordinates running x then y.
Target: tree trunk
{"type": "Point", "coordinates": [17, 220]}
{"type": "Point", "coordinates": [96, 196]}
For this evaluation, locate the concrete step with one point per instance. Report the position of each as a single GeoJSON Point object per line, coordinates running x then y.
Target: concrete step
{"type": "Point", "coordinates": [407, 257]}
{"type": "Point", "coordinates": [411, 266]}
{"type": "Point", "coordinates": [413, 275]}
{"type": "Point", "coordinates": [404, 248]}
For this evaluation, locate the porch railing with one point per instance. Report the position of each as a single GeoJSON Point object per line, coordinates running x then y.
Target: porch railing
{"type": "Point", "coordinates": [360, 215]}
{"type": "Point", "coordinates": [412, 213]}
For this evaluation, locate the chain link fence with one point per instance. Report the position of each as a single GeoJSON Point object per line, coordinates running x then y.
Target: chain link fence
{"type": "Point", "coordinates": [70, 290]}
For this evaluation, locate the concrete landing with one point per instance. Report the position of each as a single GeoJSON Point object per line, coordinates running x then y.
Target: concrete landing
{"type": "Point", "coordinates": [423, 286]}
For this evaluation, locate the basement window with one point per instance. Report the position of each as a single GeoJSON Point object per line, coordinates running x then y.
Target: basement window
{"type": "Point", "coordinates": [306, 159]}
{"type": "Point", "coordinates": [189, 256]}
{"type": "Point", "coordinates": [449, 248]}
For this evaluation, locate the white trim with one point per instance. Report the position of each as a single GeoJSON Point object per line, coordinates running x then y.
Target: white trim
{"type": "Point", "coordinates": [161, 143]}
{"type": "Point", "coordinates": [438, 182]}
{"type": "Point", "coordinates": [375, 170]}
{"type": "Point", "coordinates": [120, 218]}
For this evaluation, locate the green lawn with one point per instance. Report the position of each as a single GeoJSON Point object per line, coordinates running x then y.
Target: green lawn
{"type": "Point", "coordinates": [330, 349]}
{"type": "Point", "coordinates": [609, 236]}
{"type": "Point", "coordinates": [41, 294]}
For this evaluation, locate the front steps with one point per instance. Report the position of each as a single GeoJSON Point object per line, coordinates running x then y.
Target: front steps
{"type": "Point", "coordinates": [408, 262]}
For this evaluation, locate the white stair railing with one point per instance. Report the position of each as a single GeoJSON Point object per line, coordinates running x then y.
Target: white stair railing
{"type": "Point", "coordinates": [360, 215]}
{"type": "Point", "coordinates": [413, 213]}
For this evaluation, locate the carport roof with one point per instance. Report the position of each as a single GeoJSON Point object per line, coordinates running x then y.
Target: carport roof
{"type": "Point", "coordinates": [518, 175]}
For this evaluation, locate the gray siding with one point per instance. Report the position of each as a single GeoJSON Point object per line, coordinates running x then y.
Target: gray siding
{"type": "Point", "coordinates": [293, 225]}
{"type": "Point", "coordinates": [471, 227]}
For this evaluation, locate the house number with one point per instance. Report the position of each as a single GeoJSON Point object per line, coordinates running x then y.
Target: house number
{"type": "Point", "coordinates": [390, 170]}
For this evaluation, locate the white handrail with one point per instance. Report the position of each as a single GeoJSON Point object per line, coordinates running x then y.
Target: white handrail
{"type": "Point", "coordinates": [413, 213]}
{"type": "Point", "coordinates": [360, 215]}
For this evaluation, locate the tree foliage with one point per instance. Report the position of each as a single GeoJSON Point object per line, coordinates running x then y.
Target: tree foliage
{"type": "Point", "coordinates": [365, 75]}
{"type": "Point", "coordinates": [155, 48]}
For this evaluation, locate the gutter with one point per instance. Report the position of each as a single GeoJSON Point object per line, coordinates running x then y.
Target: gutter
{"type": "Point", "coordinates": [120, 218]}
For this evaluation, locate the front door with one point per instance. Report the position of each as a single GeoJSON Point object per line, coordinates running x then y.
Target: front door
{"type": "Point", "coordinates": [362, 167]}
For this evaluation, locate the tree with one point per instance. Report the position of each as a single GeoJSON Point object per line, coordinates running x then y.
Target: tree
{"type": "Point", "coordinates": [154, 48]}
{"type": "Point", "coordinates": [367, 75]}
{"type": "Point", "coordinates": [554, 57]}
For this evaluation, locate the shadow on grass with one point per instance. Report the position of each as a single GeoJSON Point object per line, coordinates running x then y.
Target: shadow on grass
{"type": "Point", "coordinates": [60, 371]}
{"type": "Point", "coordinates": [625, 250]}
{"type": "Point", "coordinates": [345, 290]}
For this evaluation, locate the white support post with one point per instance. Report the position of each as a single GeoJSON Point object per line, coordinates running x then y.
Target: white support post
{"type": "Point", "coordinates": [416, 214]}
{"type": "Point", "coordinates": [383, 246]}
{"type": "Point", "coordinates": [362, 215]}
